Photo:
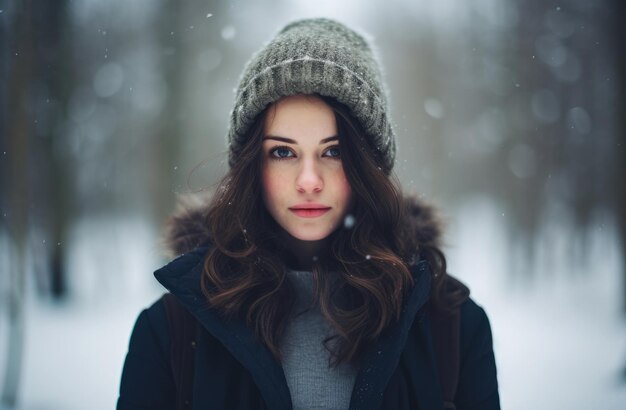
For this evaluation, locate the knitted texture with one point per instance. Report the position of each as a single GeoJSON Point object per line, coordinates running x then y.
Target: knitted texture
{"type": "Point", "coordinates": [312, 383]}
{"type": "Point", "coordinates": [319, 56]}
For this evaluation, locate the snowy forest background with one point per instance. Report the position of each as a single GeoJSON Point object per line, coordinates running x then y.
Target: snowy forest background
{"type": "Point", "coordinates": [509, 114]}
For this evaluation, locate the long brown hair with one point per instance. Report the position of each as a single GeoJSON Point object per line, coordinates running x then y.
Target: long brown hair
{"type": "Point", "coordinates": [245, 271]}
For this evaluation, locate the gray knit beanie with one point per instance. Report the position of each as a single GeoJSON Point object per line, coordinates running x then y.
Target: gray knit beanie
{"type": "Point", "coordinates": [315, 56]}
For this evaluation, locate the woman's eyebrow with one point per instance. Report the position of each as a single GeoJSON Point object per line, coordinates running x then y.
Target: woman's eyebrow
{"type": "Point", "coordinates": [282, 139]}
{"type": "Point", "coordinates": [325, 140]}
{"type": "Point", "coordinates": [290, 141]}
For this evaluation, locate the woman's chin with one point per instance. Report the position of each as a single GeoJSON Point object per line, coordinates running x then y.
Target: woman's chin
{"type": "Point", "coordinates": [309, 236]}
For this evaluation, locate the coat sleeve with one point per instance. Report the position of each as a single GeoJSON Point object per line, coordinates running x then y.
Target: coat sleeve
{"type": "Point", "coordinates": [147, 381]}
{"type": "Point", "coordinates": [478, 384]}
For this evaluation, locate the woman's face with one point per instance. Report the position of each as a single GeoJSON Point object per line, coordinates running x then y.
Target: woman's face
{"type": "Point", "coordinates": [304, 185]}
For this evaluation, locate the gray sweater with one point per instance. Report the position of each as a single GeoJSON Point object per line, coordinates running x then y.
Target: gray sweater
{"type": "Point", "coordinates": [312, 383]}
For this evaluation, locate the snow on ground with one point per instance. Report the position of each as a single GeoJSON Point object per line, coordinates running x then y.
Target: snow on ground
{"type": "Point", "coordinates": [559, 342]}
{"type": "Point", "coordinates": [75, 350]}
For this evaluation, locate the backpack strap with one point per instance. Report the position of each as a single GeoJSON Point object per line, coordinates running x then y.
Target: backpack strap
{"type": "Point", "coordinates": [445, 324]}
{"type": "Point", "coordinates": [446, 335]}
{"type": "Point", "coordinates": [182, 332]}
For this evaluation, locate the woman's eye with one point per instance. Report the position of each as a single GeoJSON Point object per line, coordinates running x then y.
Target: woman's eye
{"type": "Point", "coordinates": [333, 152]}
{"type": "Point", "coordinates": [281, 153]}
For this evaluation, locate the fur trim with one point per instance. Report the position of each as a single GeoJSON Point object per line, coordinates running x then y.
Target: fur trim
{"type": "Point", "coordinates": [425, 225]}
{"type": "Point", "coordinates": [186, 228]}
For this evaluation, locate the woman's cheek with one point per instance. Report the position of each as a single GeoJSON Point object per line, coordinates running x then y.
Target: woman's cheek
{"type": "Point", "coordinates": [272, 183]}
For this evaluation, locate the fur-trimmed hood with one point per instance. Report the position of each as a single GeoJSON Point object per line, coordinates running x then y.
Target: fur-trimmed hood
{"type": "Point", "coordinates": [186, 228]}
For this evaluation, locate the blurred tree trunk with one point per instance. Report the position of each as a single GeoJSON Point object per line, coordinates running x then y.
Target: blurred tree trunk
{"type": "Point", "coordinates": [574, 166]}
{"type": "Point", "coordinates": [54, 184]}
{"type": "Point", "coordinates": [15, 170]}
{"type": "Point", "coordinates": [177, 30]}
{"type": "Point", "coordinates": [166, 145]}
{"type": "Point", "coordinates": [619, 36]}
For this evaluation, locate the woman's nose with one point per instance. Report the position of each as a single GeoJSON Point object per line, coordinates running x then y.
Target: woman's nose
{"type": "Point", "coordinates": [309, 178]}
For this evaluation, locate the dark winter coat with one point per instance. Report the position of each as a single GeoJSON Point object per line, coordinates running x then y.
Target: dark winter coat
{"type": "Point", "coordinates": [232, 370]}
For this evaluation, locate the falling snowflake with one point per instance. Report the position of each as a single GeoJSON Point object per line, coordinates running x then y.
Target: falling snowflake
{"type": "Point", "coordinates": [348, 221]}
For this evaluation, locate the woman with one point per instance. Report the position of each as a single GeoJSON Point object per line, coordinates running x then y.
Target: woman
{"type": "Point", "coordinates": [308, 281]}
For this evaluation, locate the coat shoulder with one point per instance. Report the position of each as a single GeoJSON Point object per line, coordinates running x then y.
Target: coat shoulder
{"type": "Point", "coordinates": [146, 376]}
{"type": "Point", "coordinates": [153, 321]}
{"type": "Point", "coordinates": [478, 384]}
{"type": "Point", "coordinates": [474, 323]}
{"type": "Point", "coordinates": [472, 316]}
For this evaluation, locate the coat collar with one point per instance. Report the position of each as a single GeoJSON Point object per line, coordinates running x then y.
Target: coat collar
{"type": "Point", "coordinates": [182, 278]}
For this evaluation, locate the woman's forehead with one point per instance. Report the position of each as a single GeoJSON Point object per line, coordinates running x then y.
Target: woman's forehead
{"type": "Point", "coordinates": [301, 118]}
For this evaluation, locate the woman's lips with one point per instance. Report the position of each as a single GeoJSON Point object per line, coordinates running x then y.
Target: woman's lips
{"type": "Point", "coordinates": [309, 212]}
